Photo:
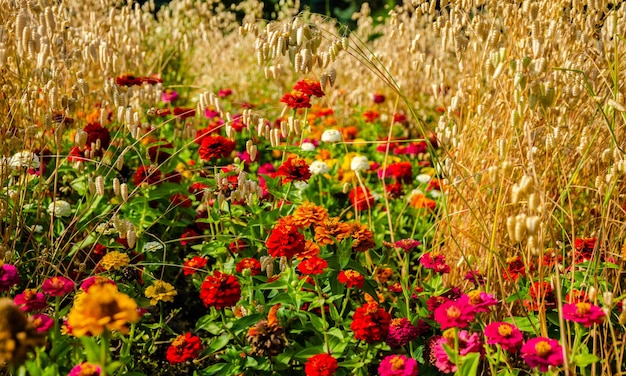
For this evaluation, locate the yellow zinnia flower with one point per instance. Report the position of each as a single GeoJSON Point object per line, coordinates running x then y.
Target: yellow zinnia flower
{"type": "Point", "coordinates": [102, 308]}
{"type": "Point", "coordinates": [160, 291]}
{"type": "Point", "coordinates": [114, 260]}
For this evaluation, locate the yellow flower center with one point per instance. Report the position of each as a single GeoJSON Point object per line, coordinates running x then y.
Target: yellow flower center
{"type": "Point", "coordinates": [352, 274]}
{"type": "Point", "coordinates": [583, 308]}
{"type": "Point", "coordinates": [396, 363]}
{"type": "Point", "coordinates": [543, 348]}
{"type": "Point", "coordinates": [179, 341]}
{"type": "Point", "coordinates": [511, 259]}
{"type": "Point", "coordinates": [453, 312]}
{"type": "Point", "coordinates": [449, 335]}
{"type": "Point", "coordinates": [474, 297]}
{"type": "Point", "coordinates": [29, 294]}
{"type": "Point", "coordinates": [504, 330]}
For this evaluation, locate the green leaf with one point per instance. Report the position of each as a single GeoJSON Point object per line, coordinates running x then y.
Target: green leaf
{"type": "Point", "coordinates": [247, 321]}
{"type": "Point", "coordinates": [218, 343]}
{"type": "Point", "coordinates": [308, 352]}
{"type": "Point", "coordinates": [525, 324]}
{"type": "Point", "coordinates": [583, 360]}
{"type": "Point", "coordinates": [469, 364]}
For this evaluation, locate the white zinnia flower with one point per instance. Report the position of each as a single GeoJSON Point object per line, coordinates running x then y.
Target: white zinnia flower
{"type": "Point", "coordinates": [300, 185]}
{"type": "Point", "coordinates": [25, 159]}
{"type": "Point", "coordinates": [152, 246]}
{"type": "Point", "coordinates": [318, 168]}
{"type": "Point", "coordinates": [359, 163]}
{"type": "Point", "coordinates": [423, 178]}
{"type": "Point", "coordinates": [435, 193]}
{"type": "Point", "coordinates": [307, 146]}
{"type": "Point", "coordinates": [60, 208]}
{"type": "Point", "coordinates": [331, 135]}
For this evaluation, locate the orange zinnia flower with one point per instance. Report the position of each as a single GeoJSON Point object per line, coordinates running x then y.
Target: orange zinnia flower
{"type": "Point", "coordinates": [329, 229]}
{"type": "Point", "coordinates": [308, 214]}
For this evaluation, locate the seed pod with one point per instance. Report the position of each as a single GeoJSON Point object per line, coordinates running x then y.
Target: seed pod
{"type": "Point", "coordinates": [131, 238]}
{"type": "Point", "coordinates": [124, 191]}
{"type": "Point", "coordinates": [116, 186]}
{"type": "Point", "coordinates": [100, 186]}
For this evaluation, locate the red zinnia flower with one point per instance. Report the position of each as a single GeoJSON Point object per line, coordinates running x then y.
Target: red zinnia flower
{"type": "Point", "coordinates": [370, 323]}
{"type": "Point", "coordinates": [401, 171]}
{"type": "Point", "coordinates": [285, 241]}
{"type": "Point", "coordinates": [309, 88]}
{"type": "Point", "coordinates": [296, 99]}
{"type": "Point", "coordinates": [370, 116]}
{"type": "Point", "coordinates": [294, 169]}
{"type": "Point", "coordinates": [361, 198]}
{"type": "Point", "coordinates": [249, 263]}
{"type": "Point", "coordinates": [312, 266]}
{"type": "Point", "coordinates": [183, 112]}
{"type": "Point", "coordinates": [95, 132]}
{"type": "Point", "coordinates": [542, 296]}
{"type": "Point", "coordinates": [57, 286]}
{"type": "Point", "coordinates": [583, 249]}
{"type": "Point", "coordinates": [584, 313]}
{"type": "Point", "coordinates": [321, 365]}
{"type": "Point", "coordinates": [504, 334]}
{"type": "Point", "coordinates": [144, 174]}
{"type": "Point", "coordinates": [220, 290]}
{"type": "Point", "coordinates": [351, 278]}
{"type": "Point", "coordinates": [514, 268]}
{"type": "Point", "coordinates": [191, 266]}
{"type": "Point", "coordinates": [215, 147]}
{"type": "Point", "coordinates": [542, 352]}
{"type": "Point", "coordinates": [185, 347]}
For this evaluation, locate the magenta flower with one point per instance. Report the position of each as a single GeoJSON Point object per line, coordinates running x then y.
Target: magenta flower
{"type": "Point", "coordinates": [169, 96]}
{"type": "Point", "coordinates": [476, 277]}
{"type": "Point", "coordinates": [468, 343]}
{"type": "Point", "coordinates": [504, 334]}
{"type": "Point", "coordinates": [223, 93]}
{"type": "Point", "coordinates": [8, 277]}
{"type": "Point", "coordinates": [42, 322]}
{"type": "Point", "coordinates": [401, 332]}
{"type": "Point", "coordinates": [583, 313]}
{"type": "Point", "coordinates": [397, 365]}
{"type": "Point", "coordinates": [407, 244]}
{"type": "Point", "coordinates": [85, 368]}
{"type": "Point", "coordinates": [542, 352]}
{"type": "Point", "coordinates": [95, 280]}
{"type": "Point", "coordinates": [435, 261]}
{"type": "Point", "coordinates": [455, 314]}
{"type": "Point", "coordinates": [30, 300]}
{"type": "Point", "coordinates": [481, 301]}
{"type": "Point", "coordinates": [57, 286]}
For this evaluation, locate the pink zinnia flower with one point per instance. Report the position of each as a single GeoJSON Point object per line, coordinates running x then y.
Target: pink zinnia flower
{"type": "Point", "coordinates": [584, 313]}
{"type": "Point", "coordinates": [169, 96]}
{"type": "Point", "coordinates": [401, 332]}
{"type": "Point", "coordinates": [95, 280]}
{"type": "Point", "coordinates": [42, 322]}
{"type": "Point", "coordinates": [30, 300]}
{"type": "Point", "coordinates": [481, 301]}
{"type": "Point", "coordinates": [455, 314]}
{"type": "Point", "coordinates": [57, 286]}
{"type": "Point", "coordinates": [542, 352]}
{"type": "Point", "coordinates": [85, 368]}
{"type": "Point", "coordinates": [504, 334]}
{"type": "Point", "coordinates": [8, 277]}
{"type": "Point", "coordinates": [435, 261]}
{"type": "Point", "coordinates": [468, 343]}
{"type": "Point", "coordinates": [397, 365]}
{"type": "Point", "coordinates": [407, 244]}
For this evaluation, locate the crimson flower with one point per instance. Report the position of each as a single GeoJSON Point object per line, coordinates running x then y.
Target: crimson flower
{"type": "Point", "coordinates": [285, 241]}
{"type": "Point", "coordinates": [144, 174]}
{"type": "Point", "coordinates": [296, 99]}
{"type": "Point", "coordinates": [294, 169]}
{"type": "Point", "coordinates": [57, 286]}
{"type": "Point", "coordinates": [312, 266]}
{"type": "Point", "coordinates": [191, 266]}
{"type": "Point", "coordinates": [185, 347]}
{"type": "Point", "coordinates": [370, 323]}
{"type": "Point", "coordinates": [215, 147]}
{"type": "Point", "coordinates": [220, 290]}
{"type": "Point", "coordinates": [351, 278]}
{"type": "Point", "coordinates": [321, 365]}
{"type": "Point", "coordinates": [309, 87]}
{"type": "Point", "coordinates": [95, 132]}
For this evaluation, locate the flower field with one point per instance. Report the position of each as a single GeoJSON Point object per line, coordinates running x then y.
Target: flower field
{"type": "Point", "coordinates": [194, 190]}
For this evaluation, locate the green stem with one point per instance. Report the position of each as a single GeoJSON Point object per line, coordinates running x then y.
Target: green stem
{"type": "Point", "coordinates": [320, 296]}
{"type": "Point", "coordinates": [344, 304]}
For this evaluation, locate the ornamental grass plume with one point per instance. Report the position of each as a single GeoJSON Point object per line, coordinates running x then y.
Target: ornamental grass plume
{"type": "Point", "coordinates": [542, 353]}
{"type": "Point", "coordinates": [397, 365]}
{"type": "Point", "coordinates": [102, 308]}
{"type": "Point", "coordinates": [183, 348]}
{"type": "Point", "coordinates": [160, 291]}
{"type": "Point", "coordinates": [17, 334]}
{"type": "Point", "coordinates": [321, 365]}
